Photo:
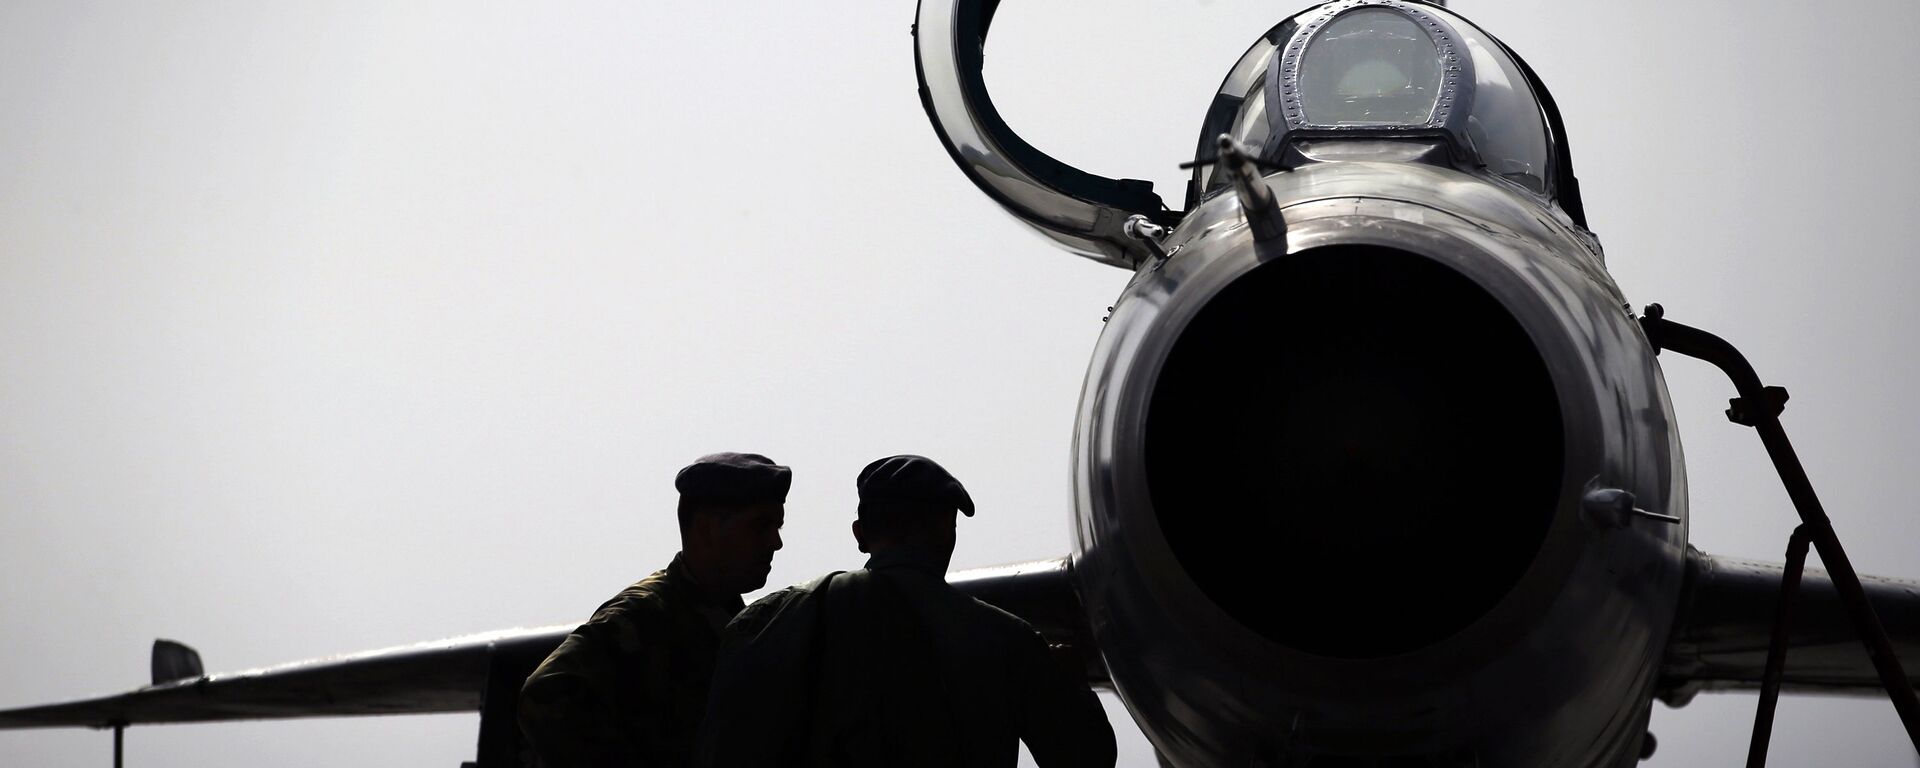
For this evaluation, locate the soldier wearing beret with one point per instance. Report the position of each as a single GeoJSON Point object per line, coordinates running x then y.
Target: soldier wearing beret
{"type": "Point", "coordinates": [628, 687]}
{"type": "Point", "coordinates": [890, 665]}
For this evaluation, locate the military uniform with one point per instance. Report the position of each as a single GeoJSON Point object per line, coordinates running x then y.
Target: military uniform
{"type": "Point", "coordinates": [891, 666]}
{"type": "Point", "coordinates": [628, 687]}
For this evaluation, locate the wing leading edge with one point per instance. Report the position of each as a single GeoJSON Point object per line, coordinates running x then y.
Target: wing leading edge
{"type": "Point", "coordinates": [438, 676]}
{"type": "Point", "coordinates": [452, 675]}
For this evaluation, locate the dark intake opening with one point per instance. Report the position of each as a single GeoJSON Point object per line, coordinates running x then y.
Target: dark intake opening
{"type": "Point", "coordinates": [1355, 451]}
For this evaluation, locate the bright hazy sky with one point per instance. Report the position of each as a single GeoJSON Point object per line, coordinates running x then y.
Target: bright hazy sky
{"type": "Point", "coordinates": [332, 326]}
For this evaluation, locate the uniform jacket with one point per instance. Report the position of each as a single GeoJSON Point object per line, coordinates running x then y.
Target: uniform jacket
{"type": "Point", "coordinates": [628, 688]}
{"type": "Point", "coordinates": [891, 666]}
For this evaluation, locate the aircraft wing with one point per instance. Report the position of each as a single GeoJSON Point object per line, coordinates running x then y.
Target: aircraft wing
{"type": "Point", "coordinates": [439, 676]}
{"type": "Point", "coordinates": [1726, 623]}
{"type": "Point", "coordinates": [452, 675]}
{"type": "Point", "coordinates": [1041, 592]}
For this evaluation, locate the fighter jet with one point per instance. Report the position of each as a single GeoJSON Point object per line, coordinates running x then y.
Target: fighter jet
{"type": "Point", "coordinates": [1374, 464]}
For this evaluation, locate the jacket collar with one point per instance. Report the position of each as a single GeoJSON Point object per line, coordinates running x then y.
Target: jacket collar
{"type": "Point", "coordinates": [681, 581]}
{"type": "Point", "coordinates": [917, 559]}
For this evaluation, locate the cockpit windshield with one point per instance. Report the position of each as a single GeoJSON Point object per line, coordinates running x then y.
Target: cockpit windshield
{"type": "Point", "coordinates": [1387, 69]}
{"type": "Point", "coordinates": [1369, 67]}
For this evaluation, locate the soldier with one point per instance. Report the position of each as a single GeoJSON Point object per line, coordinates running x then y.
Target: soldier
{"type": "Point", "coordinates": [890, 665]}
{"type": "Point", "coordinates": [628, 687]}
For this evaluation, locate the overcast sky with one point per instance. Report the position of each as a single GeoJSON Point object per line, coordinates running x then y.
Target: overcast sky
{"type": "Point", "coordinates": [334, 326]}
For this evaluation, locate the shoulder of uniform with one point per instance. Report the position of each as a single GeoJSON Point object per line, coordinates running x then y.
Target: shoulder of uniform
{"type": "Point", "coordinates": [636, 612]}
{"type": "Point", "coordinates": [646, 593]}
{"type": "Point", "coordinates": [772, 601]}
{"type": "Point", "coordinates": [759, 613]}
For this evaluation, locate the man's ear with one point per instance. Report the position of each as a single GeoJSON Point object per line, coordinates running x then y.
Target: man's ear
{"type": "Point", "coordinates": [860, 538]}
{"type": "Point", "coordinates": [699, 531]}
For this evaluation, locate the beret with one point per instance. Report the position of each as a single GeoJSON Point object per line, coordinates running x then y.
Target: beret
{"type": "Point", "coordinates": [912, 479]}
{"type": "Point", "coordinates": [734, 478]}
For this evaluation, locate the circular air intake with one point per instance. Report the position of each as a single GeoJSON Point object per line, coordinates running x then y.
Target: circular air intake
{"type": "Point", "coordinates": [1355, 451]}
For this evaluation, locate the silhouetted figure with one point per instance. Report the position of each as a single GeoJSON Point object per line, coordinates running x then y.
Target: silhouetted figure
{"type": "Point", "coordinates": [891, 666]}
{"type": "Point", "coordinates": [628, 687]}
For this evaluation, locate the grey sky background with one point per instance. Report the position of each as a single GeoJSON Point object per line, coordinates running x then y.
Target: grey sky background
{"type": "Point", "coordinates": [333, 326]}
